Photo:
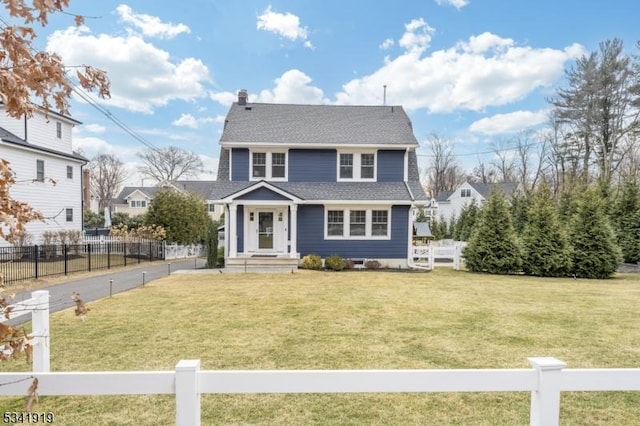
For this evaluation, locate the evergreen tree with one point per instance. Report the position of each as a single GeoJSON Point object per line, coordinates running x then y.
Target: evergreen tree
{"type": "Point", "coordinates": [212, 246]}
{"type": "Point", "coordinates": [183, 216]}
{"type": "Point", "coordinates": [466, 222]}
{"type": "Point", "coordinates": [520, 204]}
{"type": "Point", "coordinates": [626, 221]}
{"type": "Point", "coordinates": [595, 252]}
{"type": "Point", "coordinates": [546, 250]}
{"type": "Point", "coordinates": [493, 246]}
{"type": "Point", "coordinates": [439, 228]}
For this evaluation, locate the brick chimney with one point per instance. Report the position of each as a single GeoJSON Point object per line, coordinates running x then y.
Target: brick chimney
{"type": "Point", "coordinates": [242, 97]}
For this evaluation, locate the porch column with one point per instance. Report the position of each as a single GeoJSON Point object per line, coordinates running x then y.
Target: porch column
{"type": "Point", "coordinates": [233, 228]}
{"type": "Point", "coordinates": [294, 230]}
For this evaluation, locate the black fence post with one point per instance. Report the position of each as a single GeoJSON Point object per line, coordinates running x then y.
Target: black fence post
{"type": "Point", "coordinates": [139, 250]}
{"type": "Point", "coordinates": [66, 258]}
{"type": "Point", "coordinates": [124, 252]}
{"type": "Point", "coordinates": [150, 252]}
{"type": "Point", "coordinates": [89, 255]}
{"type": "Point", "coordinates": [108, 255]}
{"type": "Point", "coordinates": [35, 261]}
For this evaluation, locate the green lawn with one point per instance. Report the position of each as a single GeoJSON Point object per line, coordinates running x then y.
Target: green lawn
{"type": "Point", "coordinates": [350, 320]}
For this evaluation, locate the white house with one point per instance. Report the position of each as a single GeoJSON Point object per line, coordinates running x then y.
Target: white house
{"type": "Point", "coordinates": [48, 173]}
{"type": "Point", "coordinates": [450, 204]}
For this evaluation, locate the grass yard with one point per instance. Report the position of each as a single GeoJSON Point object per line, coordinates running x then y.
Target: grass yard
{"type": "Point", "coordinates": [350, 320]}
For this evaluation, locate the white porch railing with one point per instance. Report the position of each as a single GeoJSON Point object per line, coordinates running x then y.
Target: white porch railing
{"type": "Point", "coordinates": [546, 380]}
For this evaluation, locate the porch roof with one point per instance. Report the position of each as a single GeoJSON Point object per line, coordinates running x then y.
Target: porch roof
{"type": "Point", "coordinates": [328, 191]}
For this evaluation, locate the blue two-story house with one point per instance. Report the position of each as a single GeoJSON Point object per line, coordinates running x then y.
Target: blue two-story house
{"type": "Point", "coordinates": [323, 179]}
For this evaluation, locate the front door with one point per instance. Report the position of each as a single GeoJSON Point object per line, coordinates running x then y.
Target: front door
{"type": "Point", "coordinates": [265, 230]}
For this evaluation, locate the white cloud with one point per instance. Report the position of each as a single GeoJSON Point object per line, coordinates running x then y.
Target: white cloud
{"type": "Point", "coordinates": [387, 44]}
{"type": "Point", "coordinates": [92, 146]}
{"type": "Point", "coordinates": [209, 168]}
{"type": "Point", "coordinates": [417, 36]}
{"type": "Point", "coordinates": [94, 128]}
{"type": "Point", "coordinates": [224, 98]}
{"type": "Point", "coordinates": [485, 70]}
{"type": "Point", "coordinates": [512, 122]}
{"type": "Point", "coordinates": [458, 4]}
{"type": "Point", "coordinates": [286, 25]}
{"type": "Point", "coordinates": [188, 120]}
{"type": "Point", "coordinates": [142, 76]}
{"type": "Point", "coordinates": [150, 25]}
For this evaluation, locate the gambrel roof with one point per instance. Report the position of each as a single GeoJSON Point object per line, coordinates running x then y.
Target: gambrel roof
{"type": "Point", "coordinates": [317, 125]}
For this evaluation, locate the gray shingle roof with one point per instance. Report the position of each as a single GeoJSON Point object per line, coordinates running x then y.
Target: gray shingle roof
{"type": "Point", "coordinates": [8, 137]}
{"type": "Point", "coordinates": [318, 125]}
{"type": "Point", "coordinates": [149, 191]}
{"type": "Point", "coordinates": [330, 191]}
{"type": "Point", "coordinates": [506, 188]}
{"type": "Point", "coordinates": [201, 188]}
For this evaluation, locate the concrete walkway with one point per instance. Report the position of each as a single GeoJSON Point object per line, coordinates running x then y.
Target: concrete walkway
{"type": "Point", "coordinates": [99, 286]}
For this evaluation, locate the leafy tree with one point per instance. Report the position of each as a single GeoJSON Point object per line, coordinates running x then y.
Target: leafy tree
{"type": "Point", "coordinates": [125, 219]}
{"type": "Point", "coordinates": [184, 216]}
{"type": "Point", "coordinates": [466, 222]}
{"type": "Point", "coordinates": [546, 249]}
{"type": "Point", "coordinates": [493, 246]}
{"type": "Point", "coordinates": [626, 221]}
{"type": "Point", "coordinates": [92, 220]}
{"type": "Point", "coordinates": [595, 252]}
{"type": "Point", "coordinates": [168, 164]}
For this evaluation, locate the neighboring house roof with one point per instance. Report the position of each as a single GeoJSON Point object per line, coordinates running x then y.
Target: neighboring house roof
{"type": "Point", "coordinates": [422, 229]}
{"type": "Point", "coordinates": [10, 138]}
{"type": "Point", "coordinates": [327, 191]}
{"type": "Point", "coordinates": [444, 196]}
{"type": "Point", "coordinates": [317, 125]}
{"type": "Point", "coordinates": [201, 188]}
{"type": "Point", "coordinates": [485, 189]}
{"type": "Point", "coordinates": [148, 191]}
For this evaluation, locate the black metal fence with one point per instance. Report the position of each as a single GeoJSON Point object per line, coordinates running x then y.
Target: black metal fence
{"type": "Point", "coordinates": [32, 262]}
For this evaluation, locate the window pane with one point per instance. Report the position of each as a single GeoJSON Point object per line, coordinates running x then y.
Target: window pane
{"type": "Point", "coordinates": [379, 223]}
{"type": "Point", "coordinates": [259, 164]}
{"type": "Point", "coordinates": [367, 166]}
{"type": "Point", "coordinates": [69, 215]}
{"type": "Point", "coordinates": [40, 170]}
{"type": "Point", "coordinates": [278, 160]}
{"type": "Point", "coordinates": [335, 223]}
{"type": "Point", "coordinates": [69, 172]}
{"type": "Point", "coordinates": [346, 166]}
{"type": "Point", "coordinates": [358, 223]}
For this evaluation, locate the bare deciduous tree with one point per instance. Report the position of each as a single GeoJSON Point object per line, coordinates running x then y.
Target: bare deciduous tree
{"type": "Point", "coordinates": [168, 164]}
{"type": "Point", "coordinates": [443, 173]}
{"type": "Point", "coordinates": [530, 160]}
{"type": "Point", "coordinates": [504, 161]}
{"type": "Point", "coordinates": [107, 175]}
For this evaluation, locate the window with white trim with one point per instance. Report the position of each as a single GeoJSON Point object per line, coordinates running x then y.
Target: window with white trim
{"type": "Point", "coordinates": [69, 215]}
{"type": "Point", "coordinates": [268, 165]}
{"type": "Point", "coordinates": [137, 204]}
{"type": "Point", "coordinates": [69, 172]}
{"type": "Point", "coordinates": [40, 170]}
{"type": "Point", "coordinates": [356, 166]}
{"type": "Point", "coordinates": [465, 192]}
{"type": "Point", "coordinates": [357, 223]}
{"type": "Point", "coordinates": [58, 130]}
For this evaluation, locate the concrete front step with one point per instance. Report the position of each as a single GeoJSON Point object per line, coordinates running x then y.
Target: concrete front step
{"type": "Point", "coordinates": [261, 264]}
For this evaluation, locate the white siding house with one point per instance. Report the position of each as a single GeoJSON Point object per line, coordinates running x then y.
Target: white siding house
{"type": "Point", "coordinates": [450, 204]}
{"type": "Point", "coordinates": [48, 173]}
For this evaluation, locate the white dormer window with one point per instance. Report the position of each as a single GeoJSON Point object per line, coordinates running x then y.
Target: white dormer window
{"type": "Point", "coordinates": [465, 192]}
{"type": "Point", "coordinates": [356, 166]}
{"type": "Point", "coordinates": [138, 204]}
{"type": "Point", "coordinates": [268, 165]}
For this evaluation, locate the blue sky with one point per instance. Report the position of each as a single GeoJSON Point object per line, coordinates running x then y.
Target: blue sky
{"type": "Point", "coordinates": [471, 71]}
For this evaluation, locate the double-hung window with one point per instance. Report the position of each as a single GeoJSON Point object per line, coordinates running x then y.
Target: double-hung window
{"type": "Point", "coordinates": [269, 165]}
{"type": "Point", "coordinates": [69, 172]}
{"type": "Point", "coordinates": [58, 130]}
{"type": "Point", "coordinates": [357, 223]}
{"type": "Point", "coordinates": [138, 204]}
{"type": "Point", "coordinates": [465, 192]}
{"type": "Point", "coordinates": [356, 166]}
{"type": "Point", "coordinates": [69, 215]}
{"type": "Point", "coordinates": [40, 170]}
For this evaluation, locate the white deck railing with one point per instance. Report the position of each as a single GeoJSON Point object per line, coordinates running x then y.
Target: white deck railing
{"type": "Point", "coordinates": [546, 380]}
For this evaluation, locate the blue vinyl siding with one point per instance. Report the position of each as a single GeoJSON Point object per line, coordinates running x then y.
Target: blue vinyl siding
{"type": "Point", "coordinates": [311, 237]}
{"type": "Point", "coordinates": [312, 165]}
{"type": "Point", "coordinates": [262, 194]}
{"type": "Point", "coordinates": [390, 166]}
{"type": "Point", "coordinates": [240, 164]}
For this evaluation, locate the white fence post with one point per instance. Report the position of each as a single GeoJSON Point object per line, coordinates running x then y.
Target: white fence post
{"type": "Point", "coordinates": [545, 401]}
{"type": "Point", "coordinates": [432, 264]}
{"type": "Point", "coordinates": [187, 393]}
{"type": "Point", "coordinates": [40, 331]}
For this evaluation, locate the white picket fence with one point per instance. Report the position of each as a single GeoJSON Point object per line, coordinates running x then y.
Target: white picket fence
{"type": "Point", "coordinates": [424, 256]}
{"type": "Point", "coordinates": [545, 380]}
{"type": "Point", "coordinates": [177, 251]}
{"type": "Point", "coordinates": [38, 308]}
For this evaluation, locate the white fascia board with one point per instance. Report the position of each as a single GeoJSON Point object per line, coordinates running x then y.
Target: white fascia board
{"type": "Point", "coordinates": [258, 185]}
{"type": "Point", "coordinates": [290, 145]}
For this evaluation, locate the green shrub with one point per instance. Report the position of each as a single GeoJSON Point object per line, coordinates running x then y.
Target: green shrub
{"type": "Point", "coordinates": [335, 263]}
{"type": "Point", "coordinates": [372, 264]}
{"type": "Point", "coordinates": [349, 264]}
{"type": "Point", "coordinates": [312, 261]}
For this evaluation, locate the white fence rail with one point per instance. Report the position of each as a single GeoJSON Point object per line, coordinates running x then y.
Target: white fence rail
{"type": "Point", "coordinates": [177, 251]}
{"type": "Point", "coordinates": [425, 256]}
{"type": "Point", "coordinates": [546, 380]}
{"type": "Point", "coordinates": [38, 308]}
